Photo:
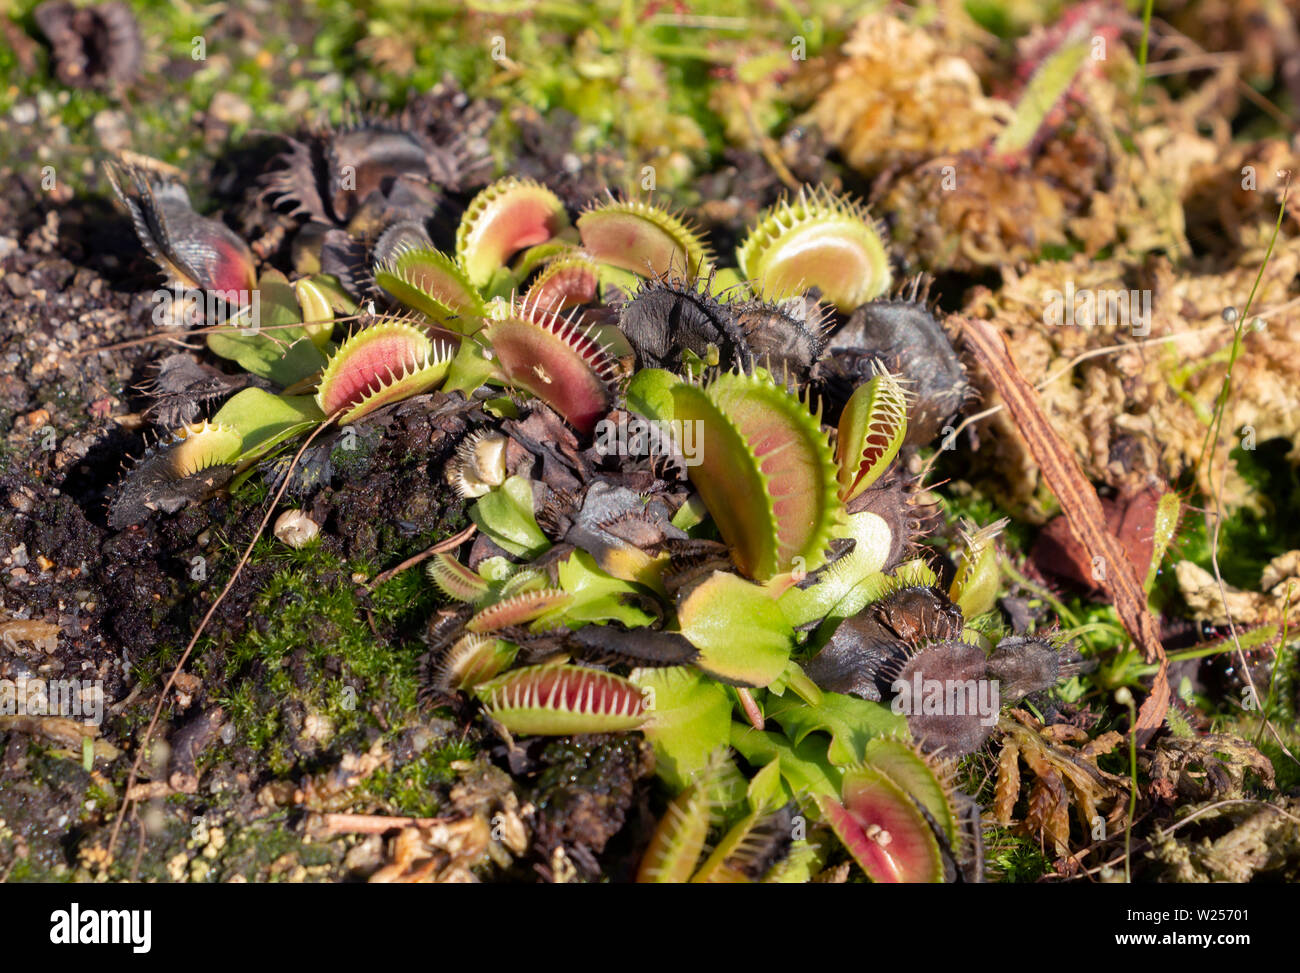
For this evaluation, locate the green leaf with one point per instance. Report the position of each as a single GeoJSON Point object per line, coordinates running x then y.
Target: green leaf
{"type": "Point", "coordinates": [1043, 91]}
{"type": "Point", "coordinates": [834, 590]}
{"type": "Point", "coordinates": [506, 516]}
{"type": "Point", "coordinates": [742, 635]}
{"type": "Point", "coordinates": [650, 393]}
{"type": "Point", "coordinates": [851, 723]}
{"type": "Point", "coordinates": [690, 718]}
{"type": "Point", "coordinates": [597, 595]}
{"type": "Point", "coordinates": [470, 368]}
{"type": "Point", "coordinates": [283, 355]}
{"type": "Point", "coordinates": [803, 766]}
{"type": "Point", "coordinates": [765, 791]}
{"type": "Point", "coordinates": [265, 420]}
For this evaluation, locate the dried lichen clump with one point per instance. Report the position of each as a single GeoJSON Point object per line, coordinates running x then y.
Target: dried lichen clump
{"type": "Point", "coordinates": [968, 212]}
{"type": "Point", "coordinates": [1143, 410]}
{"type": "Point", "coordinates": [897, 96]}
{"type": "Point", "coordinates": [1061, 156]}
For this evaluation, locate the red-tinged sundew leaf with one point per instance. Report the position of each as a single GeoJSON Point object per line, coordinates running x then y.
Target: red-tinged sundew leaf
{"type": "Point", "coordinates": [558, 360]}
{"type": "Point", "coordinates": [383, 363]}
{"type": "Point", "coordinates": [559, 700]}
{"type": "Point", "coordinates": [503, 219]}
{"type": "Point", "coordinates": [519, 610]}
{"type": "Point", "coordinates": [881, 827]}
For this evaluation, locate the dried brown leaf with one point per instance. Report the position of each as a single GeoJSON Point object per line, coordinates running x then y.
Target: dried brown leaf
{"type": "Point", "coordinates": [1008, 785]}
{"type": "Point", "coordinates": [1082, 509]}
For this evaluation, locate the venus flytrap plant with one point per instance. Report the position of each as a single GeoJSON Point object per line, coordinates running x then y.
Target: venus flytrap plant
{"type": "Point", "coordinates": [387, 361]}
{"type": "Point", "coordinates": [745, 584]}
{"type": "Point", "coordinates": [872, 428]}
{"type": "Point", "coordinates": [571, 367]}
{"type": "Point", "coordinates": [974, 587]}
{"type": "Point", "coordinates": [562, 700]}
{"type": "Point", "coordinates": [767, 478]}
{"type": "Point", "coordinates": [644, 239]}
{"type": "Point", "coordinates": [508, 216]}
{"type": "Point", "coordinates": [817, 239]}
{"type": "Point", "coordinates": [474, 659]}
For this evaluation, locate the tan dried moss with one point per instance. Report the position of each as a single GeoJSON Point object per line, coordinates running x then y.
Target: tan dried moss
{"type": "Point", "coordinates": [900, 93]}
{"type": "Point", "coordinates": [1143, 411]}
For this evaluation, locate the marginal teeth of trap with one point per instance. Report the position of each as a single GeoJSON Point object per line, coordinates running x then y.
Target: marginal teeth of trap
{"type": "Point", "coordinates": [818, 240]}
{"type": "Point", "coordinates": [642, 238]}
{"type": "Point", "coordinates": [199, 445]}
{"type": "Point", "coordinates": [506, 217]}
{"type": "Point", "coordinates": [385, 362]}
{"type": "Point", "coordinates": [557, 359]}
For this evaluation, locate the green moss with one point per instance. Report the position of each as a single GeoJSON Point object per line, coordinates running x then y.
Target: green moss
{"type": "Point", "coordinates": [1015, 858]}
{"type": "Point", "coordinates": [317, 644]}
{"type": "Point", "coordinates": [414, 788]}
{"type": "Point", "coordinates": [1249, 539]}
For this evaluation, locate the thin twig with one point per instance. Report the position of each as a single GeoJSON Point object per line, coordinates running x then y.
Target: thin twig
{"type": "Point", "coordinates": [335, 824]}
{"type": "Point", "coordinates": [172, 334]}
{"type": "Point", "coordinates": [445, 545]}
{"type": "Point", "coordinates": [127, 802]}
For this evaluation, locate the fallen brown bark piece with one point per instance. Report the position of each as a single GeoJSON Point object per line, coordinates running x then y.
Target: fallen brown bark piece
{"type": "Point", "coordinates": [187, 744]}
{"type": "Point", "coordinates": [1082, 509]}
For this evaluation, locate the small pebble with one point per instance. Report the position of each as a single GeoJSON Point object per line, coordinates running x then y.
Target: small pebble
{"type": "Point", "coordinates": [295, 528]}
